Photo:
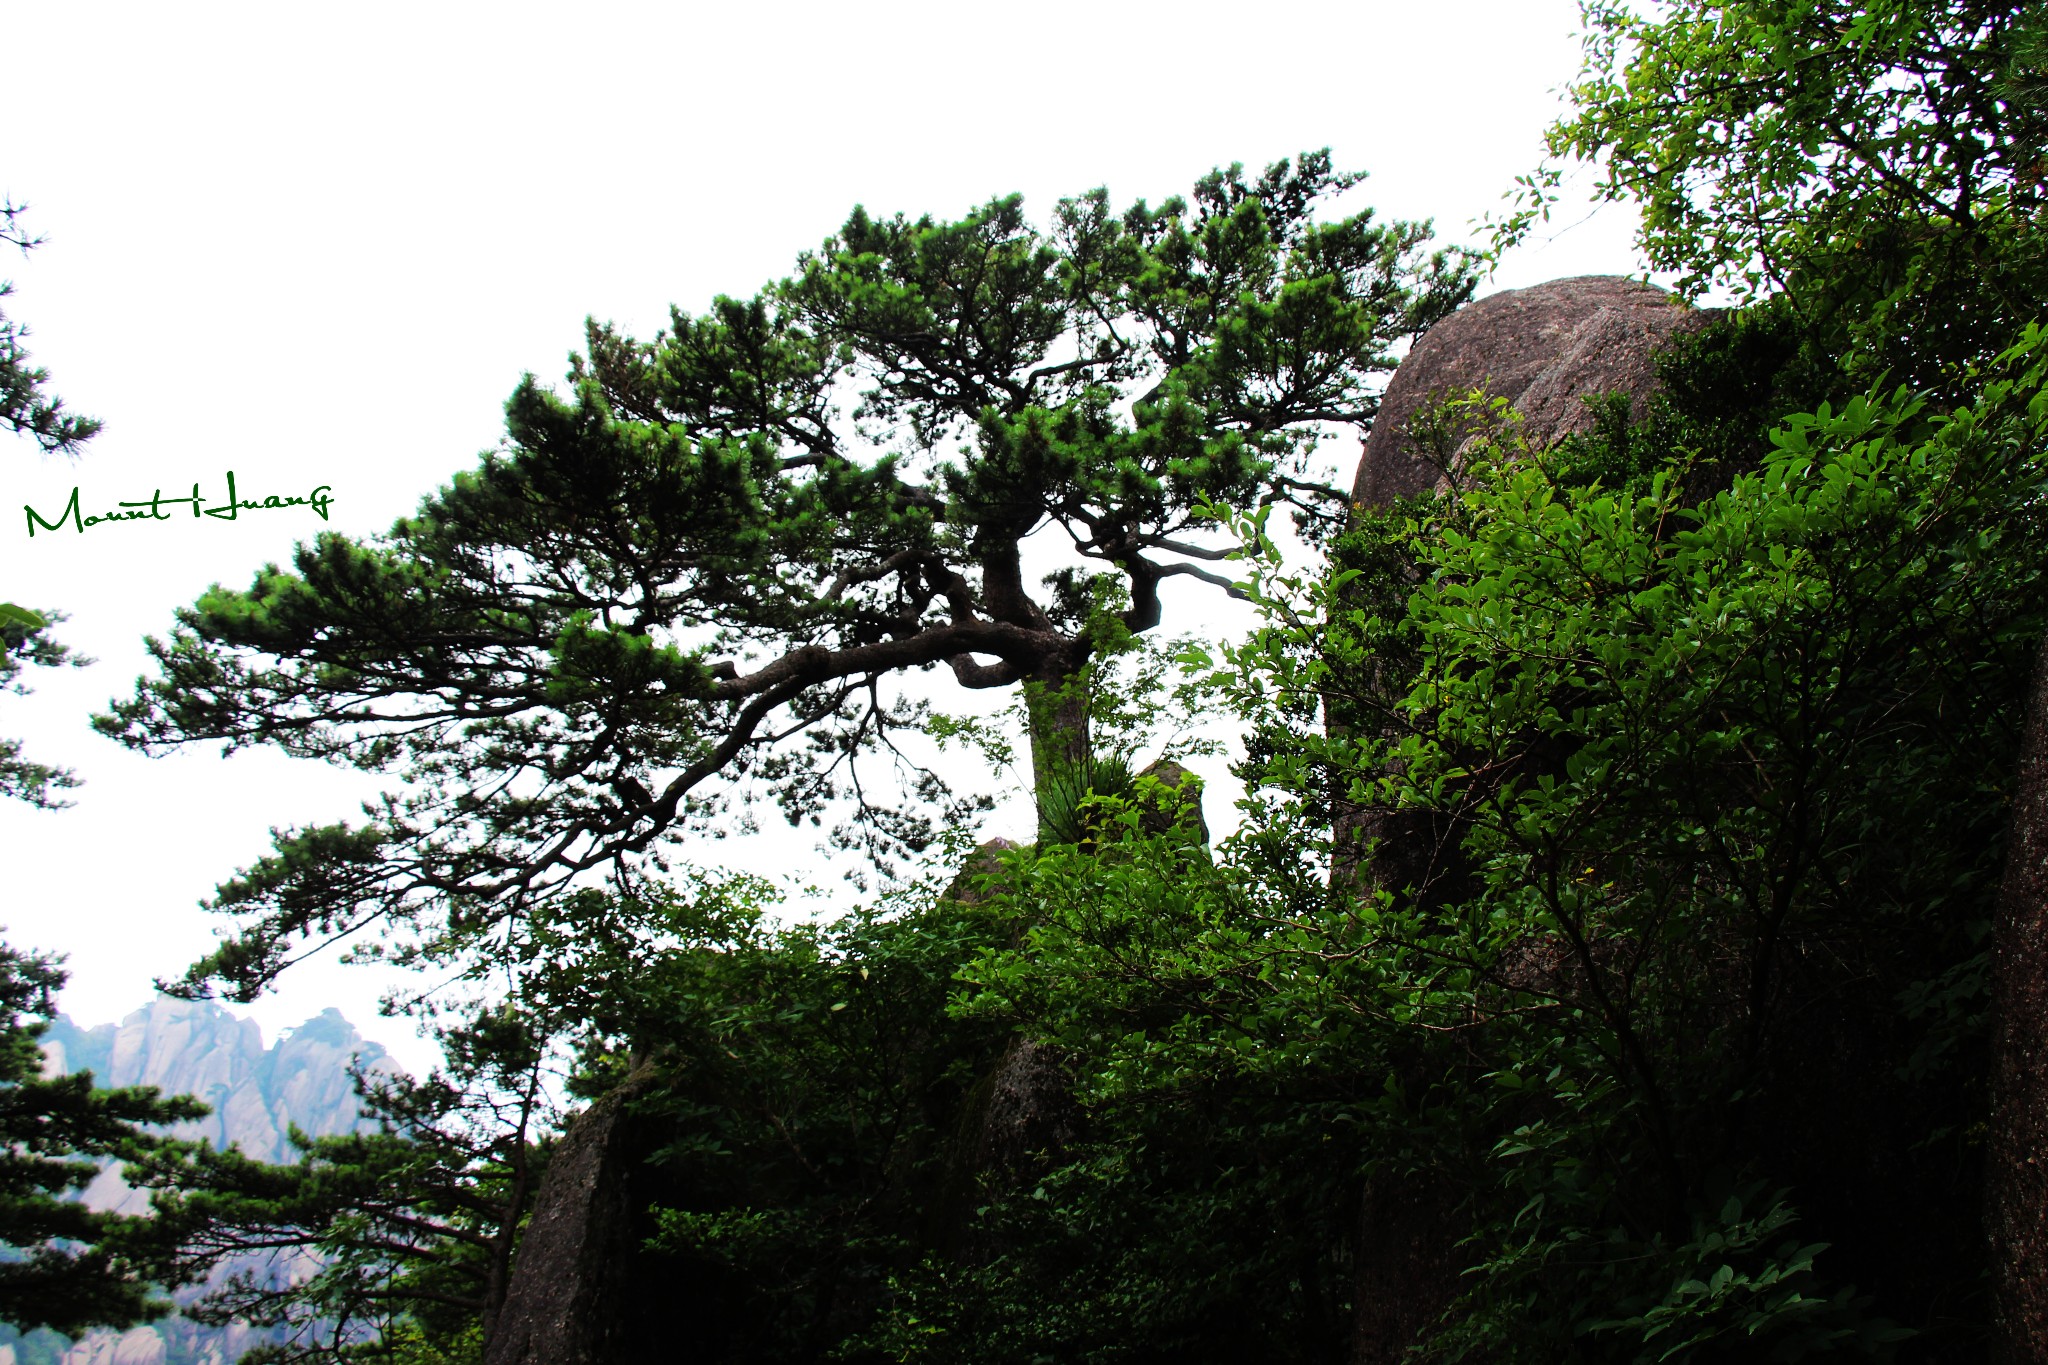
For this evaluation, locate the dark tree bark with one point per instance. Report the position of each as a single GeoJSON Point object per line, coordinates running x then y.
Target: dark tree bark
{"type": "Point", "coordinates": [2016, 1153]}
{"type": "Point", "coordinates": [1406, 1275]}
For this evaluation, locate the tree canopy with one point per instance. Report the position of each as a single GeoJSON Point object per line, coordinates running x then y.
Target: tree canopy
{"type": "Point", "coordinates": [27, 407]}
{"type": "Point", "coordinates": [1877, 166]}
{"type": "Point", "coordinates": [695, 574]}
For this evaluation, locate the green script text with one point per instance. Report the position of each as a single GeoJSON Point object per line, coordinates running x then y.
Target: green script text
{"type": "Point", "coordinates": [152, 508]}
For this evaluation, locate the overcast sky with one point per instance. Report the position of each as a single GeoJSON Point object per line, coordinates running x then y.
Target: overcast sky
{"type": "Point", "coordinates": [319, 245]}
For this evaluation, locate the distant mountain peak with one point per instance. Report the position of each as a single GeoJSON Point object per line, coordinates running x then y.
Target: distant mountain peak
{"type": "Point", "coordinates": [186, 1047]}
{"type": "Point", "coordinates": [195, 1047]}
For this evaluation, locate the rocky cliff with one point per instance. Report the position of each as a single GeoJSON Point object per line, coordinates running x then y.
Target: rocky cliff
{"type": "Point", "coordinates": [1546, 349]}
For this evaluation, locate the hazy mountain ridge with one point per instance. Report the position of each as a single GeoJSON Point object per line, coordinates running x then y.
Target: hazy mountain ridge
{"type": "Point", "coordinates": [256, 1094]}
{"type": "Point", "coordinates": [197, 1048]}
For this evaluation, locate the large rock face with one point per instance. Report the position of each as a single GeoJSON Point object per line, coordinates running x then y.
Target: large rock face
{"type": "Point", "coordinates": [2016, 1171]}
{"type": "Point", "coordinates": [1031, 1110]}
{"type": "Point", "coordinates": [1544, 349]}
{"type": "Point", "coordinates": [575, 1297]}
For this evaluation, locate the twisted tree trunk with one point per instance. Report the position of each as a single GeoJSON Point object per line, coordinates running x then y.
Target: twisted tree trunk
{"type": "Point", "coordinates": [1056, 712]}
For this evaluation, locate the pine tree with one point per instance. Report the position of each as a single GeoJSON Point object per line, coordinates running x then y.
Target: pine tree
{"type": "Point", "coordinates": [27, 408]}
{"type": "Point", "coordinates": [26, 405]}
{"type": "Point", "coordinates": [67, 1266]}
{"type": "Point", "coordinates": [403, 1234]}
{"type": "Point", "coordinates": [700, 572]}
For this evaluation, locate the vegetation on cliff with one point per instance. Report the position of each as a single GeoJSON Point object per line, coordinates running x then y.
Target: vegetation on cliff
{"type": "Point", "coordinates": [1676, 1011]}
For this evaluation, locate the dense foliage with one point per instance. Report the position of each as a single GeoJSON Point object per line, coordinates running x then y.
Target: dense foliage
{"type": "Point", "coordinates": [1600, 970]}
{"type": "Point", "coordinates": [1877, 166]}
{"type": "Point", "coordinates": [811, 1098]}
{"type": "Point", "coordinates": [1719, 797]}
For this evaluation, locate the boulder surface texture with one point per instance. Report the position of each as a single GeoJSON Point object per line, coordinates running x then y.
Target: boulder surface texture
{"type": "Point", "coordinates": [575, 1297]}
{"type": "Point", "coordinates": [1545, 349]}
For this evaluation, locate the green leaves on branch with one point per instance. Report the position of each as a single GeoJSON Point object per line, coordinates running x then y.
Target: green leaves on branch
{"type": "Point", "coordinates": [15, 619]}
{"type": "Point", "coordinates": [1880, 163]}
{"type": "Point", "coordinates": [24, 640]}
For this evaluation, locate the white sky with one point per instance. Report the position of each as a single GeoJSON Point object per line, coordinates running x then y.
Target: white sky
{"type": "Point", "coordinates": [319, 245]}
